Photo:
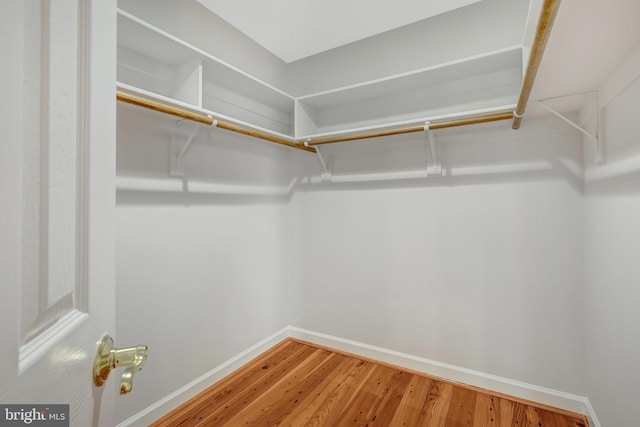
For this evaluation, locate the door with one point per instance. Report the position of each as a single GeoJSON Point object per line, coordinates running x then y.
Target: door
{"type": "Point", "coordinates": [57, 201]}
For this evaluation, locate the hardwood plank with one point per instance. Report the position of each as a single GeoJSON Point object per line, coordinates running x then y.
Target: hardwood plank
{"type": "Point", "coordinates": [519, 414]}
{"type": "Point", "coordinates": [412, 402]}
{"type": "Point", "coordinates": [506, 413]}
{"type": "Point", "coordinates": [271, 409]}
{"type": "Point", "coordinates": [537, 417]}
{"type": "Point", "coordinates": [512, 414]}
{"type": "Point", "coordinates": [548, 420]}
{"type": "Point", "coordinates": [461, 408]}
{"type": "Point", "coordinates": [371, 398]}
{"type": "Point", "coordinates": [259, 389]}
{"type": "Point", "coordinates": [487, 411]}
{"type": "Point", "coordinates": [562, 421]}
{"type": "Point", "coordinates": [566, 421]}
{"type": "Point", "coordinates": [394, 393]}
{"type": "Point", "coordinates": [330, 401]}
{"type": "Point", "coordinates": [434, 412]}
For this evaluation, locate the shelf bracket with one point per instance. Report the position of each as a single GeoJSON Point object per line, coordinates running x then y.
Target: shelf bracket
{"type": "Point", "coordinates": [325, 175]}
{"type": "Point", "coordinates": [436, 166]}
{"type": "Point", "coordinates": [179, 149]}
{"type": "Point", "coordinates": [599, 155]}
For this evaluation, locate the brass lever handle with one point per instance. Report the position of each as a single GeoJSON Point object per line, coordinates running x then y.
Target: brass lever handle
{"type": "Point", "coordinates": [108, 357]}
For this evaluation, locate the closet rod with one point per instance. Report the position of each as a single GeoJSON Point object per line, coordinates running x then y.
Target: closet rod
{"type": "Point", "coordinates": [443, 124]}
{"type": "Point", "coordinates": [545, 24]}
{"type": "Point", "coordinates": [163, 108]}
{"type": "Point", "coordinates": [205, 119]}
{"type": "Point", "coordinates": [262, 135]}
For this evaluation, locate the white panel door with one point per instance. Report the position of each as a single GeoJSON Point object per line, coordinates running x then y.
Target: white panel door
{"type": "Point", "coordinates": [57, 202]}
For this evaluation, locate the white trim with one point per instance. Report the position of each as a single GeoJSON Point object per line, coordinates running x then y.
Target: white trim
{"type": "Point", "coordinates": [543, 395]}
{"type": "Point", "coordinates": [555, 398]}
{"type": "Point", "coordinates": [196, 386]}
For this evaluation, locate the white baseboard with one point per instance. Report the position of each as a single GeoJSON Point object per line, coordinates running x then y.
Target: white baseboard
{"type": "Point", "coordinates": [522, 390]}
{"type": "Point", "coordinates": [186, 392]}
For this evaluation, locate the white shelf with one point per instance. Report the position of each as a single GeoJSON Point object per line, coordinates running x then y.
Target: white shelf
{"type": "Point", "coordinates": [159, 65]}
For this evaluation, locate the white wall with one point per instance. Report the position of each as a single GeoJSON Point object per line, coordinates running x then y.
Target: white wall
{"type": "Point", "coordinates": [200, 277]}
{"type": "Point", "coordinates": [481, 269]}
{"type": "Point", "coordinates": [612, 242]}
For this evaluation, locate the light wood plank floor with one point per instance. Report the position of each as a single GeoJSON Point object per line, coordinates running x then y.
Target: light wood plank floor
{"type": "Point", "coordinates": [300, 384]}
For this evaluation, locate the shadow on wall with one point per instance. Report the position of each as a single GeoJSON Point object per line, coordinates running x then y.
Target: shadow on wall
{"type": "Point", "coordinates": [226, 168]}
{"type": "Point", "coordinates": [620, 174]}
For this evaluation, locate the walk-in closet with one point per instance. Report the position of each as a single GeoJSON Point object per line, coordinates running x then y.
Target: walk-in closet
{"type": "Point", "coordinates": [444, 195]}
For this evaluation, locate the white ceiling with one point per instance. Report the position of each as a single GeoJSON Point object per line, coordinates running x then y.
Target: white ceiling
{"type": "Point", "coordinates": [295, 29]}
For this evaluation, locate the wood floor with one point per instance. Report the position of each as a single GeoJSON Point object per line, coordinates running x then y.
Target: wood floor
{"type": "Point", "coordinates": [299, 384]}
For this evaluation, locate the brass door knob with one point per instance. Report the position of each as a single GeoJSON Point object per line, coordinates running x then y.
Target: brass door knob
{"type": "Point", "coordinates": [108, 357]}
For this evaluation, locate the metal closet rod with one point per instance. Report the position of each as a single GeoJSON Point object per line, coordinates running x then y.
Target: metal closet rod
{"type": "Point", "coordinates": [545, 24]}
{"type": "Point", "coordinates": [205, 119]}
